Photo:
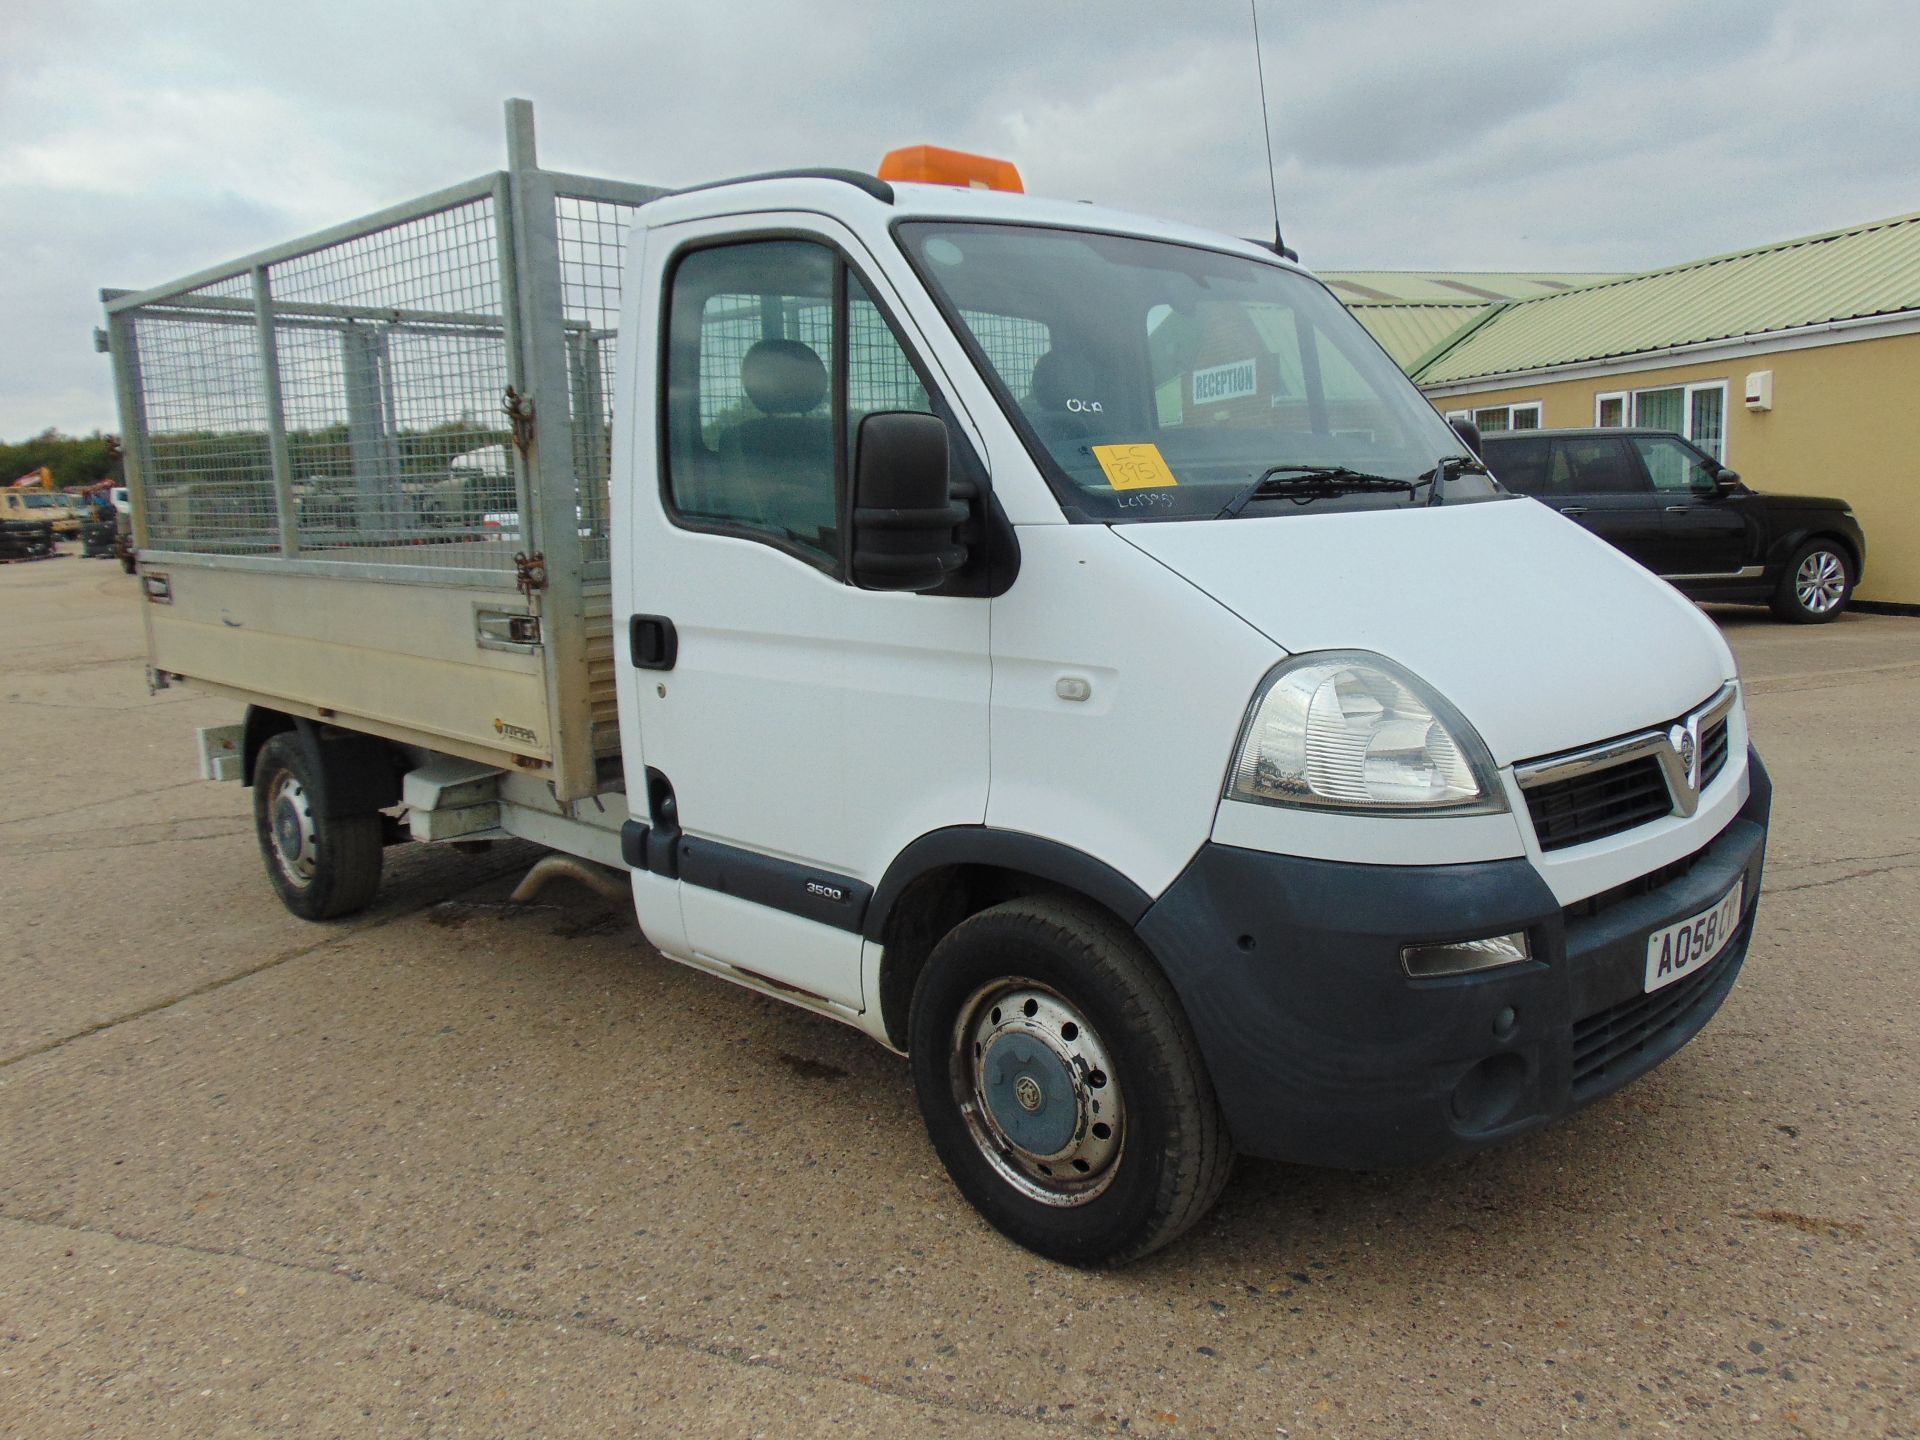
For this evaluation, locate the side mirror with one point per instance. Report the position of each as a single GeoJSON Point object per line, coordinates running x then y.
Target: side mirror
{"type": "Point", "coordinates": [1469, 432]}
{"type": "Point", "coordinates": [904, 513]}
{"type": "Point", "coordinates": [1726, 479]}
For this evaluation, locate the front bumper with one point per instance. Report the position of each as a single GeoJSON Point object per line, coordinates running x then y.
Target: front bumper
{"type": "Point", "coordinates": [1324, 1051]}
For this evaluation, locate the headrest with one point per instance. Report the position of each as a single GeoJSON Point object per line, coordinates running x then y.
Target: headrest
{"type": "Point", "coordinates": [1060, 376]}
{"type": "Point", "coordinates": [783, 377]}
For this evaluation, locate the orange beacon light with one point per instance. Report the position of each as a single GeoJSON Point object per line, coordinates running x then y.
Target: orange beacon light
{"type": "Point", "coordinates": [931, 165]}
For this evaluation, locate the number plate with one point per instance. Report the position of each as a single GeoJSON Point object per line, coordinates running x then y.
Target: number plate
{"type": "Point", "coordinates": [1682, 949]}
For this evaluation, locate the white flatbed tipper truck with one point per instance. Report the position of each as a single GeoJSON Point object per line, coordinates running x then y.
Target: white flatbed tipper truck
{"type": "Point", "coordinates": [1058, 643]}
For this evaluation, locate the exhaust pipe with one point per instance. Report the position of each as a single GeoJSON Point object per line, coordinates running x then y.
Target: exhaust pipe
{"type": "Point", "coordinates": [601, 879]}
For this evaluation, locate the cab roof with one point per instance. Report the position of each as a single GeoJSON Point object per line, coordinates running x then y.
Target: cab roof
{"type": "Point", "coordinates": [842, 192]}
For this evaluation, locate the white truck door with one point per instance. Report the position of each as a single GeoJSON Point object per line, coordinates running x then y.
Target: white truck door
{"type": "Point", "coordinates": [808, 730]}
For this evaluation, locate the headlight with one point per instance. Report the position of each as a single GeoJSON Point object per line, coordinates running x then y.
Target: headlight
{"type": "Point", "coordinates": [1346, 730]}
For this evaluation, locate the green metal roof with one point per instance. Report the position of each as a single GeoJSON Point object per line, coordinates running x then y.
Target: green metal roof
{"type": "Point", "coordinates": [1868, 270]}
{"type": "Point", "coordinates": [1454, 287]}
{"type": "Point", "coordinates": [1412, 312]}
{"type": "Point", "coordinates": [1410, 332]}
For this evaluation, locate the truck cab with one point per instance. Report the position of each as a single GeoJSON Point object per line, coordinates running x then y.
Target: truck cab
{"type": "Point", "coordinates": [1238, 650]}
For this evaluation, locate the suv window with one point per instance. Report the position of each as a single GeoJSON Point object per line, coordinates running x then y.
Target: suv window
{"type": "Point", "coordinates": [1673, 465]}
{"type": "Point", "coordinates": [1594, 465]}
{"type": "Point", "coordinates": [1521, 465]}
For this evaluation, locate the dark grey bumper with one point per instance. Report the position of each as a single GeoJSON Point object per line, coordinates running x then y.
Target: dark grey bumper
{"type": "Point", "coordinates": [1324, 1051]}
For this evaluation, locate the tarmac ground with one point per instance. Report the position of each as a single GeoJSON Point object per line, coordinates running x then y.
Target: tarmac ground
{"type": "Point", "coordinates": [459, 1168]}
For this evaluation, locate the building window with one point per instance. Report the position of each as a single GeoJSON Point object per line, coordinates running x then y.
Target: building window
{"type": "Point", "coordinates": [1698, 412]}
{"type": "Point", "coordinates": [1493, 419]}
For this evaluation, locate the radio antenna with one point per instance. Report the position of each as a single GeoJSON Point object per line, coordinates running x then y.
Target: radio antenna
{"type": "Point", "coordinates": [1266, 133]}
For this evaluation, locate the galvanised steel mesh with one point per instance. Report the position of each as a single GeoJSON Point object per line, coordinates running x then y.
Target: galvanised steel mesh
{"type": "Point", "coordinates": [393, 361]}
{"type": "Point", "coordinates": [593, 241]}
{"type": "Point", "coordinates": [205, 464]}
{"type": "Point", "coordinates": [1012, 343]}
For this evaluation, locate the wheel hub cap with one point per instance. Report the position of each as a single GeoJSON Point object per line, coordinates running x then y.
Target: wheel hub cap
{"type": "Point", "coordinates": [1036, 1087]}
{"type": "Point", "coordinates": [1030, 1094]}
{"type": "Point", "coordinates": [290, 823]}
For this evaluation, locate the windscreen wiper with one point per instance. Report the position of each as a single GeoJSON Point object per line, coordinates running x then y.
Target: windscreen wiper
{"type": "Point", "coordinates": [1304, 483]}
{"type": "Point", "coordinates": [1450, 466]}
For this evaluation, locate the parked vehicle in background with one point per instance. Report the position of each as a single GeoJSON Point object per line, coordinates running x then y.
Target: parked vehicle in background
{"type": "Point", "coordinates": [100, 536]}
{"type": "Point", "coordinates": [1059, 643]}
{"type": "Point", "coordinates": [123, 526]}
{"type": "Point", "coordinates": [25, 539]}
{"type": "Point", "coordinates": [47, 507]}
{"type": "Point", "coordinates": [1689, 519]}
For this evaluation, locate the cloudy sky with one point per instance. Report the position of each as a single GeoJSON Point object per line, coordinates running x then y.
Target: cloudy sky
{"type": "Point", "coordinates": [144, 139]}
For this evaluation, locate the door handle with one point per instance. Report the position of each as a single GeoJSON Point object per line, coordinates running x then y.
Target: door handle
{"type": "Point", "coordinates": [1679, 509]}
{"type": "Point", "coordinates": [1573, 509]}
{"type": "Point", "coordinates": [652, 642]}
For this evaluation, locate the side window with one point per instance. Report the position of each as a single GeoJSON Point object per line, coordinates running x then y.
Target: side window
{"type": "Point", "coordinates": [750, 360]}
{"type": "Point", "coordinates": [1595, 465]}
{"type": "Point", "coordinates": [1520, 465]}
{"type": "Point", "coordinates": [1673, 466]}
{"type": "Point", "coordinates": [879, 375]}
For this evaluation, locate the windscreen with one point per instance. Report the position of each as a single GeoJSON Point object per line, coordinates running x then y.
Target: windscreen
{"type": "Point", "coordinates": [1157, 381]}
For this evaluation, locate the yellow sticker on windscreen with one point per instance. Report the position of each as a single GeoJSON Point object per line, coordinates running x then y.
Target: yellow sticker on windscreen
{"type": "Point", "coordinates": [1134, 467]}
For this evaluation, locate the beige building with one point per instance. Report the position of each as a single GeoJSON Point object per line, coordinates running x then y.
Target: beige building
{"type": "Point", "coordinates": [1797, 363]}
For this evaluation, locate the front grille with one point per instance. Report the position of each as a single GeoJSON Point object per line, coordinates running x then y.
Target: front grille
{"type": "Point", "coordinates": [1623, 784]}
{"type": "Point", "coordinates": [1599, 803]}
{"type": "Point", "coordinates": [1605, 1042]}
{"type": "Point", "coordinates": [1713, 751]}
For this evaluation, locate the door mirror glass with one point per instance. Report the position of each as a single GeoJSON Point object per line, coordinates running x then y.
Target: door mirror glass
{"type": "Point", "coordinates": [904, 513]}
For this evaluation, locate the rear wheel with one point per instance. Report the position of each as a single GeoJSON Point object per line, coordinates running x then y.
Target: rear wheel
{"type": "Point", "coordinates": [1061, 1085]}
{"type": "Point", "coordinates": [1816, 585]}
{"type": "Point", "coordinates": [322, 866]}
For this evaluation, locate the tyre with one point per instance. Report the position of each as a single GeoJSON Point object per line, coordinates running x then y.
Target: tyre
{"type": "Point", "coordinates": [323, 867]}
{"type": "Point", "coordinates": [1816, 584]}
{"type": "Point", "coordinates": [1061, 1085]}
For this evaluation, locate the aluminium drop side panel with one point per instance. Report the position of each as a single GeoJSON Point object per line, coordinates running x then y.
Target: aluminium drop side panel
{"type": "Point", "coordinates": [389, 659]}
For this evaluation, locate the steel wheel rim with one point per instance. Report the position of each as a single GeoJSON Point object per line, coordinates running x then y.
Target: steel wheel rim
{"type": "Point", "coordinates": [1037, 1090]}
{"type": "Point", "coordinates": [1821, 582]}
{"type": "Point", "coordinates": [290, 829]}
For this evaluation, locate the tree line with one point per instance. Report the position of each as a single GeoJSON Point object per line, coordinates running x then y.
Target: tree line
{"type": "Point", "coordinates": [78, 461]}
{"type": "Point", "coordinates": [75, 460]}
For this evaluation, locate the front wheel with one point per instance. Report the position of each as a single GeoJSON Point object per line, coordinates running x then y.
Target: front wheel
{"type": "Point", "coordinates": [1816, 585]}
{"type": "Point", "coordinates": [322, 866]}
{"type": "Point", "coordinates": [1061, 1085]}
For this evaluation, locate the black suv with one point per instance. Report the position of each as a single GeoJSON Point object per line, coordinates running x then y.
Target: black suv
{"type": "Point", "coordinates": [1687, 518]}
